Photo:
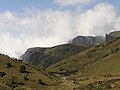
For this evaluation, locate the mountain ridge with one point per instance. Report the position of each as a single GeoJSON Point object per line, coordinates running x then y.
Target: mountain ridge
{"type": "Point", "coordinates": [45, 57]}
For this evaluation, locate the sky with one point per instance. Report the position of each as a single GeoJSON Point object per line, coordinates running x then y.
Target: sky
{"type": "Point", "coordinates": [45, 23]}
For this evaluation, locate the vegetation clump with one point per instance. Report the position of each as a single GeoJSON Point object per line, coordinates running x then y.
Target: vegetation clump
{"type": "Point", "coordinates": [8, 65]}
{"type": "Point", "coordinates": [2, 74]}
{"type": "Point", "coordinates": [22, 69]}
{"type": "Point", "coordinates": [41, 82]}
{"type": "Point", "coordinates": [26, 78]}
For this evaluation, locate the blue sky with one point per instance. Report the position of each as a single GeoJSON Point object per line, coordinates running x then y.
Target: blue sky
{"type": "Point", "coordinates": [18, 5]}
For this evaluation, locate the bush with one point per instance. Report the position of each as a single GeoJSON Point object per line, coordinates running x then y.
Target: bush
{"type": "Point", "coordinates": [41, 82]}
{"type": "Point", "coordinates": [14, 80]}
{"type": "Point", "coordinates": [20, 60]}
{"type": "Point", "coordinates": [8, 65]}
{"type": "Point", "coordinates": [26, 78]}
{"type": "Point", "coordinates": [2, 74]}
{"type": "Point", "coordinates": [116, 49]}
{"type": "Point", "coordinates": [22, 69]}
{"type": "Point", "coordinates": [61, 69]}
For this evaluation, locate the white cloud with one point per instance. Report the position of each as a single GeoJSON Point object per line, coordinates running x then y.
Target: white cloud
{"type": "Point", "coordinates": [38, 28]}
{"type": "Point", "coordinates": [97, 21]}
{"type": "Point", "coordinates": [72, 2]}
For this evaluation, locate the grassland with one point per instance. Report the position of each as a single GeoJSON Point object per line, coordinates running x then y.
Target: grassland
{"type": "Point", "coordinates": [108, 53]}
{"type": "Point", "coordinates": [107, 66]}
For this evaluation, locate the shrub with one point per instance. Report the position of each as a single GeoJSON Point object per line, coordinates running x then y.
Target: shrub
{"type": "Point", "coordinates": [12, 82]}
{"type": "Point", "coordinates": [112, 51]}
{"type": "Point", "coordinates": [22, 69]}
{"type": "Point", "coordinates": [26, 78]}
{"type": "Point", "coordinates": [41, 82]}
{"type": "Point", "coordinates": [20, 60]}
{"type": "Point", "coordinates": [61, 69]}
{"type": "Point", "coordinates": [2, 74]}
{"type": "Point", "coordinates": [8, 65]}
{"type": "Point", "coordinates": [116, 49]}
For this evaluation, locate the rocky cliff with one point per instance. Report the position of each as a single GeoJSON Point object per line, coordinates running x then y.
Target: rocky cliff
{"type": "Point", "coordinates": [112, 35]}
{"type": "Point", "coordinates": [90, 40]}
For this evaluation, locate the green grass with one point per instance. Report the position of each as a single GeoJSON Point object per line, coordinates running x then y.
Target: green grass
{"type": "Point", "coordinates": [88, 57]}
{"type": "Point", "coordinates": [4, 87]}
{"type": "Point", "coordinates": [15, 79]}
{"type": "Point", "coordinates": [108, 65]}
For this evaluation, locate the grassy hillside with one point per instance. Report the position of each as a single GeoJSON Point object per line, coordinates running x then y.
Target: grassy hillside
{"type": "Point", "coordinates": [109, 65]}
{"type": "Point", "coordinates": [15, 74]}
{"type": "Point", "coordinates": [94, 69]}
{"type": "Point", "coordinates": [45, 57]}
{"type": "Point", "coordinates": [13, 77]}
{"type": "Point", "coordinates": [88, 57]}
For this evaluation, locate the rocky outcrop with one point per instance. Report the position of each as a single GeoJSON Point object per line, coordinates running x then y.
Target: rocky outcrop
{"type": "Point", "coordinates": [112, 35]}
{"type": "Point", "coordinates": [32, 53]}
{"type": "Point", "coordinates": [90, 40]}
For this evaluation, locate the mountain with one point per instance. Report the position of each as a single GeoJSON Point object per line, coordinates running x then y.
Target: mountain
{"type": "Point", "coordinates": [45, 57]}
{"type": "Point", "coordinates": [90, 40]}
{"type": "Point", "coordinates": [58, 59]}
{"type": "Point", "coordinates": [112, 35]}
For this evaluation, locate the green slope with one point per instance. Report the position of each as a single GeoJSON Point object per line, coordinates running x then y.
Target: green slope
{"type": "Point", "coordinates": [94, 69]}
{"type": "Point", "coordinates": [13, 76]}
{"type": "Point", "coordinates": [107, 66]}
{"type": "Point", "coordinates": [88, 57]}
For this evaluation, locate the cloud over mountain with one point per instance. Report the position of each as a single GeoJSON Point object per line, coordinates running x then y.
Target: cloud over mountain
{"type": "Point", "coordinates": [35, 27]}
